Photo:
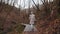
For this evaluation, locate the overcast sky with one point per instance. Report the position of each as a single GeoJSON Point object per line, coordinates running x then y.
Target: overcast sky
{"type": "Point", "coordinates": [23, 3]}
{"type": "Point", "coordinates": [26, 3]}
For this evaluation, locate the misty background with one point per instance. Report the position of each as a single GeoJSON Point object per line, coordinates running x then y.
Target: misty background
{"type": "Point", "coordinates": [23, 3]}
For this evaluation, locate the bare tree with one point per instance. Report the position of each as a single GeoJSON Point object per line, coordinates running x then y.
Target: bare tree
{"type": "Point", "coordinates": [6, 1]}
{"type": "Point", "coordinates": [3, 1]}
{"type": "Point", "coordinates": [0, 0]}
{"type": "Point", "coordinates": [20, 5]}
{"type": "Point", "coordinates": [29, 5]}
{"type": "Point", "coordinates": [36, 5]}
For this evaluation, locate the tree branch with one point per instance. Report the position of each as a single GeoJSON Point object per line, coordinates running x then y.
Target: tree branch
{"type": "Point", "coordinates": [36, 6]}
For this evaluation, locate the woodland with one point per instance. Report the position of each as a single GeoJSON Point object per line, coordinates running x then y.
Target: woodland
{"type": "Point", "coordinates": [47, 18]}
